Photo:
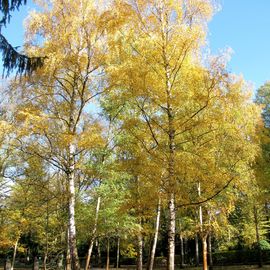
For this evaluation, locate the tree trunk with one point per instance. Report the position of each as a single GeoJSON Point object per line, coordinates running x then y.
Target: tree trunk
{"type": "Point", "coordinates": [7, 265]}
{"type": "Point", "coordinates": [87, 264]}
{"type": "Point", "coordinates": [140, 252]}
{"type": "Point", "coordinates": [28, 255]}
{"type": "Point", "coordinates": [60, 262]}
{"type": "Point", "coordinates": [68, 258]}
{"type": "Point", "coordinates": [153, 250]}
{"type": "Point", "coordinates": [98, 253]}
{"type": "Point", "coordinates": [182, 257]}
{"type": "Point", "coordinates": [14, 254]}
{"type": "Point", "coordinates": [210, 251]}
{"type": "Point", "coordinates": [45, 261]}
{"type": "Point", "coordinates": [204, 243]}
{"type": "Point", "coordinates": [47, 244]}
{"type": "Point", "coordinates": [185, 247]}
{"type": "Point", "coordinates": [266, 210]}
{"type": "Point", "coordinates": [108, 254]}
{"type": "Point", "coordinates": [36, 264]}
{"type": "Point", "coordinates": [72, 226]}
{"type": "Point", "coordinates": [260, 264]}
{"type": "Point", "coordinates": [203, 235]}
{"type": "Point", "coordinates": [171, 162]}
{"type": "Point", "coordinates": [118, 252]}
{"type": "Point", "coordinates": [197, 258]}
{"type": "Point", "coordinates": [171, 234]}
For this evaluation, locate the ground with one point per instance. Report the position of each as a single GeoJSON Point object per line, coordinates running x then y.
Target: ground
{"type": "Point", "coordinates": [242, 267]}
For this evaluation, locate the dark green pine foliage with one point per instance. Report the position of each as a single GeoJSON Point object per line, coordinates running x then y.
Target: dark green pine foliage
{"type": "Point", "coordinates": [12, 59]}
{"type": "Point", "coordinates": [7, 6]}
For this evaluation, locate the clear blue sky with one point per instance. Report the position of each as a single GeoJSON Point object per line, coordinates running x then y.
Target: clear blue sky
{"type": "Point", "coordinates": [243, 25]}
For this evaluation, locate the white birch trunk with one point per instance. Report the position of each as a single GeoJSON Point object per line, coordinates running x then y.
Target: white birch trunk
{"type": "Point", "coordinates": [108, 254]}
{"type": "Point", "coordinates": [72, 227]}
{"type": "Point", "coordinates": [118, 253]}
{"type": "Point", "coordinates": [210, 251]}
{"type": "Point", "coordinates": [153, 250]}
{"type": "Point", "coordinates": [197, 261]}
{"type": "Point", "coordinates": [182, 257]}
{"type": "Point", "coordinates": [14, 254]}
{"type": "Point", "coordinates": [87, 264]}
{"type": "Point", "coordinates": [140, 252]}
{"type": "Point", "coordinates": [68, 258]}
{"type": "Point", "coordinates": [203, 234]}
{"type": "Point", "coordinates": [171, 233]}
{"type": "Point", "coordinates": [98, 252]}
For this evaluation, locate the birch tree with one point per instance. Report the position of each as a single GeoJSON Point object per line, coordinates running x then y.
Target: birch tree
{"type": "Point", "coordinates": [53, 110]}
{"type": "Point", "coordinates": [183, 107]}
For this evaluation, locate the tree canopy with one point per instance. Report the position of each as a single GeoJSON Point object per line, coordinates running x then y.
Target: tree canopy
{"type": "Point", "coordinates": [129, 140]}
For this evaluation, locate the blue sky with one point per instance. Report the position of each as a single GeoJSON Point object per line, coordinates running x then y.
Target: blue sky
{"type": "Point", "coordinates": [243, 25]}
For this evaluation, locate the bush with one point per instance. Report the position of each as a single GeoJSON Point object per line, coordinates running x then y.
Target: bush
{"type": "Point", "coordinates": [249, 256]}
{"type": "Point", "coordinates": [264, 245]}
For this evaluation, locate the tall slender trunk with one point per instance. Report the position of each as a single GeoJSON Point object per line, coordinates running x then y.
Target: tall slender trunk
{"type": "Point", "coordinates": [36, 263]}
{"type": "Point", "coordinates": [197, 258]}
{"type": "Point", "coordinates": [68, 258]}
{"type": "Point", "coordinates": [72, 226]}
{"type": "Point", "coordinates": [108, 254]}
{"type": "Point", "coordinates": [200, 208]}
{"type": "Point", "coordinates": [90, 249]}
{"type": "Point", "coordinates": [171, 206]}
{"type": "Point", "coordinates": [185, 247]}
{"type": "Point", "coordinates": [203, 234]}
{"type": "Point", "coordinates": [153, 250]}
{"type": "Point", "coordinates": [182, 257]}
{"type": "Point", "coordinates": [45, 261]}
{"type": "Point", "coordinates": [7, 265]}
{"type": "Point", "coordinates": [140, 252]}
{"type": "Point", "coordinates": [171, 145]}
{"type": "Point", "coordinates": [204, 243]}
{"type": "Point", "coordinates": [14, 254]}
{"type": "Point", "coordinates": [118, 252]}
{"type": "Point", "coordinates": [98, 252]}
{"type": "Point", "coordinates": [210, 251]}
{"type": "Point", "coordinates": [260, 264]}
{"type": "Point", "coordinates": [171, 234]}
{"type": "Point", "coordinates": [266, 210]}
{"type": "Point", "coordinates": [47, 244]}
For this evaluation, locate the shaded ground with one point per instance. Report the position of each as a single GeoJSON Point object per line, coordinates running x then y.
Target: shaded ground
{"type": "Point", "coordinates": [235, 267]}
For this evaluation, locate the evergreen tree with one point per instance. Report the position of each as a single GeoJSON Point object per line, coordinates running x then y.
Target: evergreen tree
{"type": "Point", "coordinates": [12, 59]}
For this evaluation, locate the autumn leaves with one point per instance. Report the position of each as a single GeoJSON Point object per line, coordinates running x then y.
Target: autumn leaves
{"type": "Point", "coordinates": [170, 116]}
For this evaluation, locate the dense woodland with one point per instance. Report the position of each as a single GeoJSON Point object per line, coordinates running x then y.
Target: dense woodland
{"type": "Point", "coordinates": [131, 143]}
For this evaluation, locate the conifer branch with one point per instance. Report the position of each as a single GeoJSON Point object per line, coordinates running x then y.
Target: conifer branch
{"type": "Point", "coordinates": [6, 6]}
{"type": "Point", "coordinates": [13, 60]}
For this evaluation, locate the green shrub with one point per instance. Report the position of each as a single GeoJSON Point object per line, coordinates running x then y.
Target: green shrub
{"type": "Point", "coordinates": [264, 245]}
